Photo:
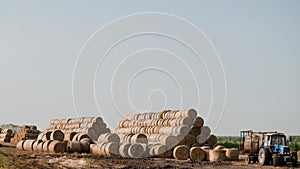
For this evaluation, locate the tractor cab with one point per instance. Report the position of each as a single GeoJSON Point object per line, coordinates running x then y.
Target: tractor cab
{"type": "Point", "coordinates": [276, 143]}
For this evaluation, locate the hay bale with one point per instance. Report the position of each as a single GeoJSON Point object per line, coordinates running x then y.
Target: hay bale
{"type": "Point", "coordinates": [198, 122]}
{"type": "Point", "coordinates": [73, 146]}
{"type": "Point", "coordinates": [108, 137]}
{"type": "Point", "coordinates": [232, 154]}
{"type": "Point", "coordinates": [123, 150]}
{"type": "Point", "coordinates": [139, 138]}
{"type": "Point", "coordinates": [206, 149]}
{"type": "Point", "coordinates": [212, 140]}
{"type": "Point", "coordinates": [35, 145]}
{"type": "Point", "coordinates": [197, 154]}
{"type": "Point", "coordinates": [56, 147]}
{"type": "Point", "coordinates": [69, 136]}
{"type": "Point", "coordinates": [28, 145]}
{"type": "Point", "coordinates": [85, 145]}
{"type": "Point", "coordinates": [216, 155]}
{"type": "Point", "coordinates": [219, 147]}
{"type": "Point", "coordinates": [136, 151]}
{"type": "Point", "coordinates": [19, 145]}
{"type": "Point", "coordinates": [46, 145]}
{"type": "Point", "coordinates": [181, 152]}
{"type": "Point", "coordinates": [57, 135]}
{"type": "Point", "coordinates": [195, 131]}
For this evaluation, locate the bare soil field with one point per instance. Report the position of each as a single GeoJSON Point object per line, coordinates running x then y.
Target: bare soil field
{"type": "Point", "coordinates": [12, 158]}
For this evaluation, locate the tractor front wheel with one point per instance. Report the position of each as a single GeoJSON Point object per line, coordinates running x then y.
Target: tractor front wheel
{"type": "Point", "coordinates": [275, 159]}
{"type": "Point", "coordinates": [263, 156]}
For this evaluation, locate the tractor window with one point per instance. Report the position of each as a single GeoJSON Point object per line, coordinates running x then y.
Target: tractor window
{"type": "Point", "coordinates": [279, 140]}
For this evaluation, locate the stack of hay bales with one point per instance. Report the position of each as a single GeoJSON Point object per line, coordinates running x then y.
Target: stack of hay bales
{"type": "Point", "coordinates": [92, 126]}
{"type": "Point", "coordinates": [108, 144]}
{"type": "Point", "coordinates": [5, 135]}
{"type": "Point", "coordinates": [54, 142]}
{"type": "Point", "coordinates": [169, 132]}
{"type": "Point", "coordinates": [25, 133]}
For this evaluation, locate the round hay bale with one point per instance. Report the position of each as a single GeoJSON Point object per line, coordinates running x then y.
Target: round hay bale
{"type": "Point", "coordinates": [92, 148]}
{"type": "Point", "coordinates": [201, 139]}
{"type": "Point", "coordinates": [46, 136]}
{"type": "Point", "coordinates": [189, 140]}
{"type": "Point", "coordinates": [82, 136]}
{"type": "Point", "coordinates": [219, 147]}
{"type": "Point", "coordinates": [69, 136]}
{"type": "Point", "coordinates": [85, 145]}
{"type": "Point", "coordinates": [212, 140]}
{"type": "Point", "coordinates": [216, 155]}
{"type": "Point", "coordinates": [123, 150]}
{"type": "Point", "coordinates": [75, 137]}
{"type": "Point", "coordinates": [181, 152]}
{"type": "Point", "coordinates": [197, 154]}
{"type": "Point", "coordinates": [56, 147]}
{"type": "Point", "coordinates": [195, 131]}
{"type": "Point", "coordinates": [57, 135]}
{"type": "Point", "coordinates": [40, 147]}
{"type": "Point", "coordinates": [206, 149]}
{"type": "Point", "coordinates": [108, 137]}
{"type": "Point", "coordinates": [160, 149]}
{"type": "Point", "coordinates": [205, 131]}
{"type": "Point", "coordinates": [136, 151]}
{"type": "Point", "coordinates": [19, 145]}
{"type": "Point", "coordinates": [73, 146]}
{"type": "Point", "coordinates": [28, 145]}
{"type": "Point", "coordinates": [192, 113]}
{"type": "Point", "coordinates": [166, 154]}
{"type": "Point", "coordinates": [232, 154]}
{"type": "Point", "coordinates": [139, 138]}
{"type": "Point", "coordinates": [46, 145]}
{"type": "Point", "coordinates": [35, 145]}
{"type": "Point", "coordinates": [183, 130]}
{"type": "Point", "coordinates": [111, 148]}
{"type": "Point", "coordinates": [169, 140]}
{"type": "Point", "coordinates": [198, 122]}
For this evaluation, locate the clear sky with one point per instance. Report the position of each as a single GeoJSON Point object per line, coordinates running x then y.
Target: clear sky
{"type": "Point", "coordinates": [257, 41]}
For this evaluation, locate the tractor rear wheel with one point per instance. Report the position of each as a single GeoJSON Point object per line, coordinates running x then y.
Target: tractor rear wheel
{"type": "Point", "coordinates": [263, 156]}
{"type": "Point", "coordinates": [294, 160]}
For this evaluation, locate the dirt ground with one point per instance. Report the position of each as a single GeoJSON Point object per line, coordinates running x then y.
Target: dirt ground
{"type": "Point", "coordinates": [12, 158]}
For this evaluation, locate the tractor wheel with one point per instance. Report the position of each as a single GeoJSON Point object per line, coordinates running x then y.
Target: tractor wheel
{"type": "Point", "coordinates": [263, 156]}
{"type": "Point", "coordinates": [294, 160]}
{"type": "Point", "coordinates": [275, 159]}
{"type": "Point", "coordinates": [247, 160]}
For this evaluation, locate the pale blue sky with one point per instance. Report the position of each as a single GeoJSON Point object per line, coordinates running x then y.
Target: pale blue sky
{"type": "Point", "coordinates": [258, 42]}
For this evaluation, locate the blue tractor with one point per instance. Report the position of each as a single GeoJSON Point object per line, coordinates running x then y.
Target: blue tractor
{"type": "Point", "coordinates": [267, 148]}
